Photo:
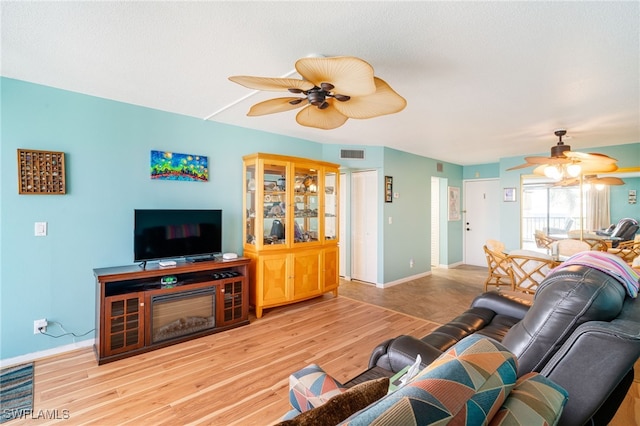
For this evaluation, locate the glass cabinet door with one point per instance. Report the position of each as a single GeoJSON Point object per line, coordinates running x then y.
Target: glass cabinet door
{"type": "Point", "coordinates": [305, 205]}
{"type": "Point", "coordinates": [274, 203]}
{"type": "Point", "coordinates": [330, 206]}
{"type": "Point", "coordinates": [251, 181]}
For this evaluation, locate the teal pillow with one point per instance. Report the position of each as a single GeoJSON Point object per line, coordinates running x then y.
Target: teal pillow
{"type": "Point", "coordinates": [311, 387]}
{"type": "Point", "coordinates": [466, 385]}
{"type": "Point", "coordinates": [535, 400]}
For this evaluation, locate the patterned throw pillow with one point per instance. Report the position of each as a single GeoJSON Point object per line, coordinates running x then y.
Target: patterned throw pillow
{"type": "Point", "coordinates": [311, 387]}
{"type": "Point", "coordinates": [466, 385]}
{"type": "Point", "coordinates": [535, 400]}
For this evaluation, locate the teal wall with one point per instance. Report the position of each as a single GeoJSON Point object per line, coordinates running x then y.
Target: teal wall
{"type": "Point", "coordinates": [620, 207]}
{"type": "Point", "coordinates": [107, 146]}
{"type": "Point", "coordinates": [481, 171]}
{"type": "Point", "coordinates": [409, 234]}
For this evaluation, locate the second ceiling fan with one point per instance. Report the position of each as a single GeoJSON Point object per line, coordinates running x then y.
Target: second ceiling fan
{"type": "Point", "coordinates": [566, 163]}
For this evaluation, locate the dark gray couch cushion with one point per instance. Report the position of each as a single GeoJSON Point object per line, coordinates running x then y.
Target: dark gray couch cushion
{"type": "Point", "coordinates": [567, 298]}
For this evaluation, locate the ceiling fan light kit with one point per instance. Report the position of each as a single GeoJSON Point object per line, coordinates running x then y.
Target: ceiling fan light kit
{"type": "Point", "coordinates": [335, 88]}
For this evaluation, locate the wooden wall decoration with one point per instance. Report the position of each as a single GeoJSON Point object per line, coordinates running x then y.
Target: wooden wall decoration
{"type": "Point", "coordinates": [41, 172]}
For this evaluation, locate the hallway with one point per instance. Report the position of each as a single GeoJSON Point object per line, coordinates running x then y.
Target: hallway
{"type": "Point", "coordinates": [439, 297]}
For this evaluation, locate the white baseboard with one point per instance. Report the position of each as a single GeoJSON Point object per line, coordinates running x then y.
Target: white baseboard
{"type": "Point", "coordinates": [22, 359]}
{"type": "Point", "coordinates": [403, 280]}
{"type": "Point", "coordinates": [453, 265]}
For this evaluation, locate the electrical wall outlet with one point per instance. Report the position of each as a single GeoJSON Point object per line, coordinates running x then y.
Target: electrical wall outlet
{"type": "Point", "coordinates": [40, 326]}
{"type": "Point", "coordinates": [411, 263]}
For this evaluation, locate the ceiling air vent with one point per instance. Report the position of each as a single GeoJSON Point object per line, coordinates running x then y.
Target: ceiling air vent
{"type": "Point", "coordinates": [357, 154]}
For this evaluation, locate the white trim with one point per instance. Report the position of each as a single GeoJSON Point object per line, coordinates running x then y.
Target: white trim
{"type": "Point", "coordinates": [403, 280]}
{"type": "Point", "coordinates": [46, 353]}
{"type": "Point", "coordinates": [453, 265]}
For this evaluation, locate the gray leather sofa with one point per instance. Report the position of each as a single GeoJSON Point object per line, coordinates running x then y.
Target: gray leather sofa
{"type": "Point", "coordinates": [582, 332]}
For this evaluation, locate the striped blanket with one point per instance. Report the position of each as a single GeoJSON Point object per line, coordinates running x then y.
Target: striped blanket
{"type": "Point", "coordinates": [609, 264]}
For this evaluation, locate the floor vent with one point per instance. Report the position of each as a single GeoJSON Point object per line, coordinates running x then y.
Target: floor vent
{"type": "Point", "coordinates": [357, 154]}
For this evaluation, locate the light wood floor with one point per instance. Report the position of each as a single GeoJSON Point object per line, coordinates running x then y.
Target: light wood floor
{"type": "Point", "coordinates": [240, 377]}
{"type": "Point", "coordinates": [235, 377]}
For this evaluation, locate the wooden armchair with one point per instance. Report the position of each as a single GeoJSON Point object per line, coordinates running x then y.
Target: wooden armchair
{"type": "Point", "coordinates": [596, 244]}
{"type": "Point", "coordinates": [627, 250]}
{"type": "Point", "coordinates": [528, 269]}
{"type": "Point", "coordinates": [542, 241]}
{"type": "Point", "coordinates": [498, 269]}
{"type": "Point", "coordinates": [570, 247]}
{"type": "Point", "coordinates": [495, 246]}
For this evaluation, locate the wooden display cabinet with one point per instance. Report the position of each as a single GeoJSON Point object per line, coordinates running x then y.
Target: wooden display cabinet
{"type": "Point", "coordinates": [290, 228]}
{"type": "Point", "coordinates": [136, 313]}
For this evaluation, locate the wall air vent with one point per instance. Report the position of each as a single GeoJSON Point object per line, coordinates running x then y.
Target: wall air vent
{"type": "Point", "coordinates": [439, 167]}
{"type": "Point", "coordinates": [357, 154]}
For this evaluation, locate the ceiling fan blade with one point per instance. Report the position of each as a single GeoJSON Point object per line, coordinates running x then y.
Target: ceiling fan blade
{"type": "Point", "coordinates": [593, 180]}
{"type": "Point", "coordinates": [272, 106]}
{"type": "Point", "coordinates": [587, 168]}
{"type": "Point", "coordinates": [595, 157]}
{"type": "Point", "coordinates": [546, 160]}
{"type": "Point", "coordinates": [325, 119]}
{"type": "Point", "coordinates": [349, 76]}
{"type": "Point", "coordinates": [608, 180]}
{"type": "Point", "coordinates": [268, 83]}
{"type": "Point", "coordinates": [567, 182]}
{"type": "Point", "coordinates": [590, 167]}
{"type": "Point", "coordinates": [521, 166]}
{"type": "Point", "coordinates": [384, 101]}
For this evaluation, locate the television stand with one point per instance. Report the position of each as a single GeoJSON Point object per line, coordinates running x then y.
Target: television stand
{"type": "Point", "coordinates": [136, 311]}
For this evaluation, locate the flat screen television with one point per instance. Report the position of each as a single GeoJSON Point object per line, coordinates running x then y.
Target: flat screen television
{"type": "Point", "coordinates": [169, 234]}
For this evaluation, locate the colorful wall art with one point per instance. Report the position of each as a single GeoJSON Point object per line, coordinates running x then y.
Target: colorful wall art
{"type": "Point", "coordinates": [173, 166]}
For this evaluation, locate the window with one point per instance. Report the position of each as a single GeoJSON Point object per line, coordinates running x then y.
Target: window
{"type": "Point", "coordinates": [555, 210]}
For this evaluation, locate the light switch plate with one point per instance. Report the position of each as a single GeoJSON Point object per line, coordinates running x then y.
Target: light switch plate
{"type": "Point", "coordinates": [40, 229]}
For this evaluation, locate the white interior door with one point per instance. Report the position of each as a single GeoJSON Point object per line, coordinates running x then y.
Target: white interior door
{"type": "Point", "coordinates": [481, 218]}
{"type": "Point", "coordinates": [364, 226]}
{"type": "Point", "coordinates": [342, 265]}
{"type": "Point", "coordinates": [435, 221]}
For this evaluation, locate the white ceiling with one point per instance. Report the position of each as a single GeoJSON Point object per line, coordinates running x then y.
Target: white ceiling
{"type": "Point", "coordinates": [483, 80]}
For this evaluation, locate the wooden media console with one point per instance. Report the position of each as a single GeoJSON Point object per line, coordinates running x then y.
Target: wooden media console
{"type": "Point", "coordinates": [142, 309]}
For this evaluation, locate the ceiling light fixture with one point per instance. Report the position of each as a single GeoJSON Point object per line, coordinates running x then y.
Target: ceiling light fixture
{"type": "Point", "coordinates": [574, 169]}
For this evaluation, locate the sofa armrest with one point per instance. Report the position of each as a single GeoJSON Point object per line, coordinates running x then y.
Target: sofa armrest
{"type": "Point", "coordinates": [592, 366]}
{"type": "Point", "coordinates": [510, 305]}
{"type": "Point", "coordinates": [378, 352]}
{"type": "Point", "coordinates": [395, 354]}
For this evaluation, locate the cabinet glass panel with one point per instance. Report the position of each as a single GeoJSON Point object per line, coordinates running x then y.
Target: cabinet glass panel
{"type": "Point", "coordinates": [305, 205]}
{"type": "Point", "coordinates": [330, 206]}
{"type": "Point", "coordinates": [274, 205]}
{"type": "Point", "coordinates": [250, 203]}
